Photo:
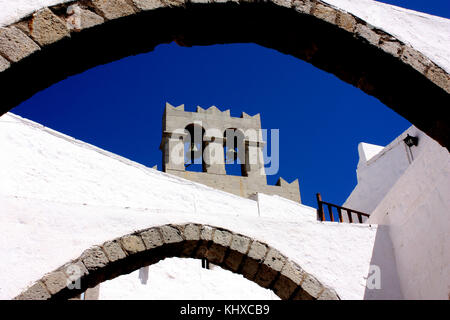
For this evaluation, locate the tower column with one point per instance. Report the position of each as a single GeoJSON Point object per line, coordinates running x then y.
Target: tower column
{"type": "Point", "coordinates": [254, 161]}
{"type": "Point", "coordinates": [213, 155]}
{"type": "Point", "coordinates": [172, 146]}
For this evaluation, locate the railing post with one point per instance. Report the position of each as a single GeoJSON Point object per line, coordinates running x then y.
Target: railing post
{"type": "Point", "coordinates": [349, 213]}
{"type": "Point", "coordinates": [359, 218]}
{"type": "Point", "coordinates": [330, 211]}
{"type": "Point", "coordinates": [340, 214]}
{"type": "Point", "coordinates": [320, 212]}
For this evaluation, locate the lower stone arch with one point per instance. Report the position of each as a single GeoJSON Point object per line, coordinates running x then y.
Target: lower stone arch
{"type": "Point", "coordinates": [238, 253]}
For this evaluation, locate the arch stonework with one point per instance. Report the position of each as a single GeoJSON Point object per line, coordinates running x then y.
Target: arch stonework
{"type": "Point", "coordinates": [253, 259]}
{"type": "Point", "coordinates": [66, 39]}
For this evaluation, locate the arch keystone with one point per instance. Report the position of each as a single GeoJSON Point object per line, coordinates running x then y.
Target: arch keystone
{"type": "Point", "coordinates": [170, 234]}
{"type": "Point", "coordinates": [192, 232]}
{"type": "Point", "coordinates": [206, 233]}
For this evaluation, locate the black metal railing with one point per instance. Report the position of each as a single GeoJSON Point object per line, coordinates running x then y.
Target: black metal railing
{"type": "Point", "coordinates": [339, 209]}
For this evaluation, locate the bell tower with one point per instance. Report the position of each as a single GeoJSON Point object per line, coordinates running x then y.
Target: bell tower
{"type": "Point", "coordinates": [211, 138]}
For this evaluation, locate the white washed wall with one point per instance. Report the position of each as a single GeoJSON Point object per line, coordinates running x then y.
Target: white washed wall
{"type": "Point", "coordinates": [411, 198]}
{"type": "Point", "coordinates": [59, 196]}
{"type": "Point", "coordinates": [417, 211]}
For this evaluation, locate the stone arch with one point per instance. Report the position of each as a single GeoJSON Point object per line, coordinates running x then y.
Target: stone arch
{"type": "Point", "coordinates": [238, 253]}
{"type": "Point", "coordinates": [66, 39]}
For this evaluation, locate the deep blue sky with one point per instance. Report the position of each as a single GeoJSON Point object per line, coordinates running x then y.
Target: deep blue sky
{"type": "Point", "coordinates": [119, 106]}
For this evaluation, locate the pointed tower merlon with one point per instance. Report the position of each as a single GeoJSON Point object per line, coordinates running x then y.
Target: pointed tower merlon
{"type": "Point", "coordinates": [254, 120]}
{"type": "Point", "coordinates": [171, 117]}
{"type": "Point", "coordinates": [290, 190]}
{"type": "Point", "coordinates": [284, 184]}
{"type": "Point", "coordinates": [173, 108]}
{"type": "Point", "coordinates": [213, 110]}
{"type": "Point", "coordinates": [256, 117]}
